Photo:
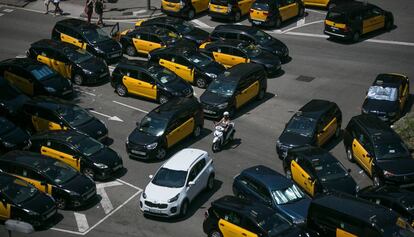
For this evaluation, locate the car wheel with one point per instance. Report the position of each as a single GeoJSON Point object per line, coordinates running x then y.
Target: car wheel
{"type": "Point", "coordinates": [201, 82]}
{"type": "Point", "coordinates": [288, 174]}
{"type": "Point", "coordinates": [60, 203]}
{"type": "Point", "coordinates": [388, 24]}
{"type": "Point", "coordinates": [130, 50]}
{"type": "Point", "coordinates": [355, 37]}
{"type": "Point", "coordinates": [338, 131]}
{"type": "Point", "coordinates": [184, 208]}
{"type": "Point", "coordinates": [261, 94]}
{"type": "Point", "coordinates": [215, 147]}
{"type": "Point", "coordinates": [121, 90]}
{"type": "Point", "coordinates": [349, 154]}
{"type": "Point", "coordinates": [278, 22]}
{"type": "Point", "coordinates": [237, 17]}
{"type": "Point", "coordinates": [376, 181]}
{"type": "Point", "coordinates": [160, 153]}
{"type": "Point", "coordinates": [163, 99]}
{"type": "Point", "coordinates": [78, 79]}
{"type": "Point", "coordinates": [197, 131]}
{"type": "Point", "coordinates": [210, 183]}
{"type": "Point", "coordinates": [191, 14]}
{"type": "Point", "coordinates": [301, 11]}
{"type": "Point", "coordinates": [215, 233]}
{"type": "Point", "coordinates": [89, 172]}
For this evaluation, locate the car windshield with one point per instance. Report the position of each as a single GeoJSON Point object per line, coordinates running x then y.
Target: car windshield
{"type": "Point", "coordinates": [87, 146]}
{"type": "Point", "coordinates": [6, 126]}
{"type": "Point", "coordinates": [95, 35]}
{"type": "Point", "coordinates": [185, 27]}
{"type": "Point", "coordinates": [274, 224]}
{"type": "Point", "coordinates": [75, 115]}
{"type": "Point", "coordinates": [18, 191]}
{"type": "Point", "coordinates": [382, 93]}
{"type": "Point", "coordinates": [42, 73]}
{"type": "Point", "coordinates": [222, 87]}
{"type": "Point", "coordinates": [59, 172]}
{"type": "Point", "coordinates": [391, 150]}
{"type": "Point", "coordinates": [199, 59]}
{"type": "Point", "coordinates": [301, 125]}
{"type": "Point", "coordinates": [153, 126]}
{"type": "Point", "coordinates": [251, 50]}
{"type": "Point", "coordinates": [170, 178]}
{"type": "Point", "coordinates": [162, 74]}
{"type": "Point", "coordinates": [262, 37]}
{"type": "Point", "coordinates": [288, 195]}
{"type": "Point", "coordinates": [78, 55]}
{"type": "Point", "coordinates": [328, 171]}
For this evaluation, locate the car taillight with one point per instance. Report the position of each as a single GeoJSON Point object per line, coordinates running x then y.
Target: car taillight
{"type": "Point", "coordinates": [205, 215]}
{"type": "Point", "coordinates": [251, 10]}
{"type": "Point", "coordinates": [265, 13]}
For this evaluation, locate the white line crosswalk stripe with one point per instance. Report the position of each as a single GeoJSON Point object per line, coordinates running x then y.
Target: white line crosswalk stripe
{"type": "Point", "coordinates": [81, 221]}
{"type": "Point", "coordinates": [8, 10]}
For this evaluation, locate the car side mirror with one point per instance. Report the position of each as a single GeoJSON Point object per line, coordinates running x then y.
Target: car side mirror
{"type": "Point", "coordinates": [191, 183]}
{"type": "Point", "coordinates": [349, 170]}
{"type": "Point", "coordinates": [150, 176]}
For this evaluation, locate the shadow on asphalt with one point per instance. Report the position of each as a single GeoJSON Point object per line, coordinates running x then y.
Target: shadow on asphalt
{"type": "Point", "coordinates": [251, 105]}
{"type": "Point", "coordinates": [53, 222]}
{"type": "Point", "coordinates": [409, 105]}
{"type": "Point", "coordinates": [363, 37]}
{"type": "Point", "coordinates": [334, 141]}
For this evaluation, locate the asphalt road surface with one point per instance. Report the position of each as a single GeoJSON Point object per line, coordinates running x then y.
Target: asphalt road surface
{"type": "Point", "coordinates": [334, 71]}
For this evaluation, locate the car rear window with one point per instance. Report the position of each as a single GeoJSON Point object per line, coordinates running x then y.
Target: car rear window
{"type": "Point", "coordinates": [174, 1]}
{"type": "Point", "coordinates": [337, 17]}
{"type": "Point", "coordinates": [261, 6]}
{"type": "Point", "coordinates": [222, 2]}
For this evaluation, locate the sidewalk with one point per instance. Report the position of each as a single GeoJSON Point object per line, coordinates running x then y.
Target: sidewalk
{"type": "Point", "coordinates": [114, 9]}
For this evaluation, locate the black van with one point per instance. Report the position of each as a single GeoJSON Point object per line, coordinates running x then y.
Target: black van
{"type": "Point", "coordinates": [342, 215]}
{"type": "Point", "coordinates": [234, 88]}
{"type": "Point", "coordinates": [164, 127]}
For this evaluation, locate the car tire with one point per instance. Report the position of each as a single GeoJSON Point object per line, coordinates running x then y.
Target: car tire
{"type": "Point", "coordinates": [261, 94]}
{"type": "Point", "coordinates": [131, 51]}
{"type": "Point", "coordinates": [197, 131]}
{"type": "Point", "coordinates": [191, 14]}
{"type": "Point", "coordinates": [210, 183]}
{"type": "Point", "coordinates": [184, 208]}
{"type": "Point", "coordinates": [77, 79]}
{"type": "Point", "coordinates": [89, 172]}
{"type": "Point", "coordinates": [389, 24]}
{"type": "Point", "coordinates": [201, 82]}
{"type": "Point", "coordinates": [237, 17]}
{"type": "Point", "coordinates": [338, 132]}
{"type": "Point", "coordinates": [376, 181]}
{"type": "Point", "coordinates": [60, 203]}
{"type": "Point", "coordinates": [215, 147]}
{"type": "Point", "coordinates": [121, 90]}
{"type": "Point", "coordinates": [160, 153]}
{"type": "Point", "coordinates": [163, 99]}
{"type": "Point", "coordinates": [301, 12]}
{"type": "Point", "coordinates": [355, 37]}
{"type": "Point", "coordinates": [215, 233]}
{"type": "Point", "coordinates": [349, 155]}
{"type": "Point", "coordinates": [288, 174]}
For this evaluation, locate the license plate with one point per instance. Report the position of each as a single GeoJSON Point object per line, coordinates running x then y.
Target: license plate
{"type": "Point", "coordinates": [154, 210]}
{"type": "Point", "coordinates": [138, 152]}
{"type": "Point", "coordinates": [257, 22]}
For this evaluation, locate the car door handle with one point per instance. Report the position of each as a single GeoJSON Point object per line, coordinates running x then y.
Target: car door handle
{"type": "Point", "coordinates": [244, 234]}
{"type": "Point", "coordinates": [177, 67]}
{"type": "Point", "coordinates": [161, 62]}
{"type": "Point", "coordinates": [363, 155]}
{"type": "Point", "coordinates": [354, 145]}
{"type": "Point", "coordinates": [221, 224]}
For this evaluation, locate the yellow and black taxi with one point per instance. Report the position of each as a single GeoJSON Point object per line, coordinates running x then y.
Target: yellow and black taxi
{"type": "Point", "coordinates": [165, 126]}
{"type": "Point", "coordinates": [80, 151]}
{"type": "Point", "coordinates": [233, 89]}
{"type": "Point", "coordinates": [147, 38]}
{"type": "Point", "coordinates": [152, 82]}
{"type": "Point", "coordinates": [272, 13]}
{"type": "Point", "coordinates": [11, 99]}
{"type": "Point", "coordinates": [318, 171]}
{"type": "Point", "coordinates": [251, 35]}
{"type": "Point", "coordinates": [387, 97]}
{"type": "Point", "coordinates": [325, 3]}
{"type": "Point", "coordinates": [184, 8]}
{"type": "Point", "coordinates": [233, 52]}
{"type": "Point", "coordinates": [229, 9]}
{"type": "Point", "coordinates": [351, 20]}
{"type": "Point", "coordinates": [34, 78]}
{"type": "Point", "coordinates": [189, 64]}
{"type": "Point", "coordinates": [44, 113]}
{"type": "Point", "coordinates": [231, 216]}
{"type": "Point", "coordinates": [344, 215]}
{"type": "Point", "coordinates": [379, 150]}
{"type": "Point", "coordinates": [397, 199]}
{"type": "Point", "coordinates": [19, 200]}
{"type": "Point", "coordinates": [68, 187]}
{"type": "Point", "coordinates": [314, 124]}
{"type": "Point", "coordinates": [178, 26]}
{"type": "Point", "coordinates": [12, 137]}
{"type": "Point", "coordinates": [89, 37]}
{"type": "Point", "coordinates": [69, 61]}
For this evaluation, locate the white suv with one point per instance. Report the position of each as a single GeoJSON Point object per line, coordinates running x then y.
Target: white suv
{"type": "Point", "coordinates": [177, 182]}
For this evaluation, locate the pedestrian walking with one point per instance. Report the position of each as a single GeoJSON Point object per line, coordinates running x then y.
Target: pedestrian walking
{"type": "Point", "coordinates": [47, 2]}
{"type": "Point", "coordinates": [89, 9]}
{"type": "Point", "coordinates": [57, 7]}
{"type": "Point", "coordinates": [99, 10]}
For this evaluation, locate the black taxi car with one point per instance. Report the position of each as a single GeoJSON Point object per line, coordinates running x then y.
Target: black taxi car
{"type": "Point", "coordinates": [165, 126]}
{"type": "Point", "coordinates": [20, 200]}
{"type": "Point", "coordinates": [233, 89]}
{"type": "Point", "coordinates": [387, 97]}
{"type": "Point", "coordinates": [43, 114]}
{"type": "Point", "coordinates": [340, 215]}
{"type": "Point", "coordinates": [11, 99]}
{"type": "Point", "coordinates": [12, 137]}
{"type": "Point", "coordinates": [89, 37]}
{"type": "Point", "coordinates": [80, 151]}
{"type": "Point", "coordinates": [178, 26]}
{"type": "Point", "coordinates": [317, 171]}
{"type": "Point", "coordinates": [184, 8]}
{"type": "Point", "coordinates": [231, 216]}
{"type": "Point", "coordinates": [399, 200]}
{"type": "Point", "coordinates": [34, 78]}
{"type": "Point", "coordinates": [379, 150]}
{"type": "Point", "coordinates": [272, 13]}
{"type": "Point", "coordinates": [151, 82]}
{"type": "Point", "coordinates": [314, 124]}
{"type": "Point", "coordinates": [251, 35]}
{"type": "Point", "coordinates": [69, 61]}
{"type": "Point", "coordinates": [229, 9]}
{"type": "Point", "coordinates": [68, 187]}
{"type": "Point", "coordinates": [233, 52]}
{"type": "Point", "coordinates": [188, 63]}
{"type": "Point", "coordinates": [351, 20]}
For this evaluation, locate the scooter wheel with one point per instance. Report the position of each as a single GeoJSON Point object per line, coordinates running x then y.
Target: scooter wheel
{"type": "Point", "coordinates": [215, 147]}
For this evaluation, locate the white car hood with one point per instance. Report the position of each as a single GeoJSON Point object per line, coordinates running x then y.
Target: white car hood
{"type": "Point", "coordinates": [160, 193]}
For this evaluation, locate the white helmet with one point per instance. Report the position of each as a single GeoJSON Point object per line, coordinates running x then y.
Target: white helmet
{"type": "Point", "coordinates": [226, 114]}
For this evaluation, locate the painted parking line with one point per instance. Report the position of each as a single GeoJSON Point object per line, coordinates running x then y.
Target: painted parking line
{"type": "Point", "coordinates": [81, 221]}
{"type": "Point", "coordinates": [201, 24]}
{"type": "Point", "coordinates": [301, 25]}
{"type": "Point", "coordinates": [130, 106]}
{"type": "Point", "coordinates": [8, 10]}
{"type": "Point", "coordinates": [105, 201]}
{"type": "Point", "coordinates": [109, 117]}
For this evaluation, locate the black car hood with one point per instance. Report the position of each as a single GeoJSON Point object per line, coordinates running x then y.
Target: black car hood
{"type": "Point", "coordinates": [178, 85]}
{"type": "Point", "coordinates": [294, 139]}
{"type": "Point", "coordinates": [274, 44]}
{"type": "Point", "coordinates": [79, 184]}
{"type": "Point", "coordinates": [213, 99]}
{"type": "Point", "coordinates": [106, 156]}
{"type": "Point", "coordinates": [14, 105]}
{"type": "Point", "coordinates": [58, 83]}
{"type": "Point", "coordinates": [40, 203]}
{"type": "Point", "coordinates": [380, 106]}
{"type": "Point", "coordinates": [297, 210]}
{"type": "Point", "coordinates": [213, 67]}
{"type": "Point", "coordinates": [182, 42]}
{"type": "Point", "coordinates": [140, 138]}
{"type": "Point", "coordinates": [266, 58]}
{"type": "Point", "coordinates": [94, 128]}
{"type": "Point", "coordinates": [108, 46]}
{"type": "Point", "coordinates": [197, 35]}
{"type": "Point", "coordinates": [397, 166]}
{"type": "Point", "coordinates": [345, 184]}
{"type": "Point", "coordinates": [95, 65]}
{"type": "Point", "coordinates": [16, 136]}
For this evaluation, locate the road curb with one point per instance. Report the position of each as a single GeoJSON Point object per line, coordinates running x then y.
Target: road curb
{"type": "Point", "coordinates": [125, 17]}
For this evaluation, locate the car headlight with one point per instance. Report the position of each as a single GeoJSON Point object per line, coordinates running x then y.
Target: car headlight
{"type": "Point", "coordinates": [87, 71]}
{"type": "Point", "coordinates": [144, 195]}
{"type": "Point", "coordinates": [388, 174]}
{"type": "Point", "coordinates": [50, 89]}
{"type": "Point", "coordinates": [175, 198]}
{"type": "Point", "coordinates": [98, 50]}
{"type": "Point", "coordinates": [212, 75]}
{"type": "Point", "coordinates": [357, 188]}
{"type": "Point", "coordinates": [222, 106]}
{"type": "Point", "coordinates": [8, 144]}
{"type": "Point", "coordinates": [392, 114]}
{"type": "Point", "coordinates": [364, 111]}
{"type": "Point", "coordinates": [100, 165]}
{"type": "Point", "coordinates": [70, 192]}
{"type": "Point", "coordinates": [30, 212]}
{"type": "Point", "coordinates": [151, 146]}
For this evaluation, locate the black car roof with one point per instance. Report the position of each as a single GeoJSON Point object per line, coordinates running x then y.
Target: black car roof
{"type": "Point", "coordinates": [234, 28]}
{"type": "Point", "coordinates": [375, 126]}
{"type": "Point", "coordinates": [27, 64]}
{"type": "Point", "coordinates": [270, 178]}
{"type": "Point", "coordinates": [351, 6]}
{"type": "Point", "coordinates": [237, 72]}
{"type": "Point", "coordinates": [229, 42]}
{"type": "Point", "coordinates": [33, 160]}
{"type": "Point", "coordinates": [49, 103]}
{"type": "Point", "coordinates": [181, 50]}
{"type": "Point", "coordinates": [55, 45]}
{"type": "Point", "coordinates": [316, 108]}
{"type": "Point", "coordinates": [243, 206]}
{"type": "Point", "coordinates": [59, 135]}
{"type": "Point", "coordinates": [164, 20]}
{"type": "Point", "coordinates": [311, 153]}
{"type": "Point", "coordinates": [77, 24]}
{"type": "Point", "coordinates": [173, 107]}
{"type": "Point", "coordinates": [387, 79]}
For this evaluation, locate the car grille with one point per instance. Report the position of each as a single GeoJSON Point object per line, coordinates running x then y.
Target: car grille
{"type": "Point", "coordinates": [157, 205]}
{"type": "Point", "coordinates": [49, 213]}
{"type": "Point", "coordinates": [88, 194]}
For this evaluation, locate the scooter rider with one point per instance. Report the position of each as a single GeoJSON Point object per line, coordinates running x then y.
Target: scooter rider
{"type": "Point", "coordinates": [225, 122]}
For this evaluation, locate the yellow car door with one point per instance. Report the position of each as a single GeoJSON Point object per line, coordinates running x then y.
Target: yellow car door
{"type": "Point", "coordinates": [16, 78]}
{"type": "Point", "coordinates": [302, 178]}
{"type": "Point", "coordinates": [203, 5]}
{"type": "Point", "coordinates": [180, 132]}
{"type": "Point", "coordinates": [343, 233]}
{"type": "Point", "coordinates": [183, 69]}
{"type": "Point", "coordinates": [283, 10]}
{"type": "Point", "coordinates": [327, 131]}
{"type": "Point", "coordinates": [72, 40]}
{"type": "Point", "coordinates": [5, 209]}
{"type": "Point", "coordinates": [41, 186]}
{"type": "Point", "coordinates": [378, 19]}
{"type": "Point", "coordinates": [362, 156]}
{"type": "Point", "coordinates": [237, 57]}
{"type": "Point", "coordinates": [229, 229]}
{"type": "Point", "coordinates": [147, 86]}
{"type": "Point", "coordinates": [244, 6]}
{"type": "Point", "coordinates": [258, 15]}
{"type": "Point", "coordinates": [66, 158]}
{"type": "Point", "coordinates": [131, 82]}
{"type": "Point", "coordinates": [44, 59]}
{"type": "Point", "coordinates": [246, 94]}
{"type": "Point", "coordinates": [293, 7]}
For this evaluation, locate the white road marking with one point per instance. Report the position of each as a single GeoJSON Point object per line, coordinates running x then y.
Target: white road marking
{"type": "Point", "coordinates": [105, 202]}
{"type": "Point", "coordinates": [81, 221]}
{"type": "Point", "coordinates": [302, 25]}
{"type": "Point", "coordinates": [113, 118]}
{"type": "Point", "coordinates": [108, 184]}
{"type": "Point", "coordinates": [67, 231]}
{"type": "Point", "coordinates": [1, 14]}
{"type": "Point", "coordinates": [8, 10]}
{"type": "Point", "coordinates": [306, 34]}
{"type": "Point", "coordinates": [111, 69]}
{"type": "Point", "coordinates": [300, 22]}
{"type": "Point", "coordinates": [21, 55]}
{"type": "Point", "coordinates": [310, 10]}
{"type": "Point", "coordinates": [139, 12]}
{"type": "Point", "coordinates": [126, 183]}
{"type": "Point", "coordinates": [129, 106]}
{"type": "Point", "coordinates": [85, 92]}
{"type": "Point", "coordinates": [277, 31]}
{"type": "Point", "coordinates": [201, 24]}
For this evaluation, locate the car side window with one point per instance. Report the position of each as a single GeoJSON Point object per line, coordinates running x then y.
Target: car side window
{"type": "Point", "coordinates": [304, 165]}
{"type": "Point", "coordinates": [376, 11]}
{"type": "Point", "coordinates": [47, 53]}
{"type": "Point", "coordinates": [237, 52]}
{"type": "Point", "coordinates": [155, 39]}
{"type": "Point", "coordinates": [31, 174]}
{"type": "Point", "coordinates": [182, 61]}
{"type": "Point", "coordinates": [233, 217]}
{"type": "Point", "coordinates": [246, 38]}
{"type": "Point", "coordinates": [225, 50]}
{"type": "Point", "coordinates": [73, 33]}
{"type": "Point", "coordinates": [193, 173]}
{"type": "Point", "coordinates": [145, 77]}
{"type": "Point", "coordinates": [367, 14]}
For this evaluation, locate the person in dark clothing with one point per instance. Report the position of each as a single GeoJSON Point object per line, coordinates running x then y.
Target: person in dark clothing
{"type": "Point", "coordinates": [99, 10]}
{"type": "Point", "coordinates": [89, 9]}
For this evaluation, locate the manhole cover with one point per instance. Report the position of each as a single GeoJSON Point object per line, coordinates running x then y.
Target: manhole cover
{"type": "Point", "coordinates": [305, 78]}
